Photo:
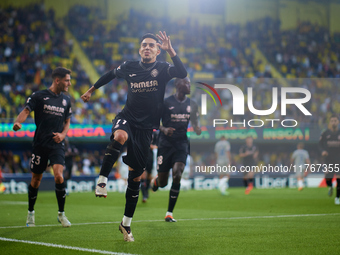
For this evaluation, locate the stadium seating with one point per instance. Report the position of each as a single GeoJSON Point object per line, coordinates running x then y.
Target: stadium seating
{"type": "Point", "coordinates": [222, 51]}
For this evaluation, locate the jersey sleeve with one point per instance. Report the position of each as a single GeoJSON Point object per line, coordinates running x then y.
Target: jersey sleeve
{"type": "Point", "coordinates": [194, 115]}
{"type": "Point", "coordinates": [165, 112]}
{"type": "Point", "coordinates": [120, 71]}
{"type": "Point", "coordinates": [68, 110]}
{"type": "Point", "coordinates": [227, 146]}
{"type": "Point", "coordinates": [32, 102]}
{"type": "Point", "coordinates": [177, 70]}
{"type": "Point", "coordinates": [322, 142]}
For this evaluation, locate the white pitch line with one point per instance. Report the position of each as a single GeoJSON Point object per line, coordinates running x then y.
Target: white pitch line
{"type": "Point", "coordinates": [14, 202]}
{"type": "Point", "coordinates": [200, 219]}
{"type": "Point", "coordinates": [63, 246]}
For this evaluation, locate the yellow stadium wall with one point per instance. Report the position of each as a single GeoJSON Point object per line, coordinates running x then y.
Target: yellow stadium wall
{"type": "Point", "coordinates": [17, 3]}
{"type": "Point", "coordinates": [334, 18]}
{"type": "Point", "coordinates": [290, 12]}
{"type": "Point", "coordinates": [243, 11]}
{"type": "Point", "coordinates": [61, 7]}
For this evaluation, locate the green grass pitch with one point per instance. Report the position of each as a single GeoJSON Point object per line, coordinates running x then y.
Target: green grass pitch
{"type": "Point", "coordinates": [271, 221]}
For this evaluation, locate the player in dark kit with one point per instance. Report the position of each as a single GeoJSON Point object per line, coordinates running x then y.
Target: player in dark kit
{"type": "Point", "coordinates": [173, 141]}
{"type": "Point", "coordinates": [249, 153]}
{"type": "Point", "coordinates": [52, 115]}
{"type": "Point", "coordinates": [329, 144]}
{"type": "Point", "coordinates": [146, 80]}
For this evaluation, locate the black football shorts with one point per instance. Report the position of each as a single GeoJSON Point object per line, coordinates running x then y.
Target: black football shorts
{"type": "Point", "coordinates": [41, 155]}
{"type": "Point", "coordinates": [138, 144]}
{"type": "Point", "coordinates": [168, 156]}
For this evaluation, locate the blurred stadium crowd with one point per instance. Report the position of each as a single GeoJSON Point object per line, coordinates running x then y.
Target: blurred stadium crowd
{"type": "Point", "coordinates": [33, 43]}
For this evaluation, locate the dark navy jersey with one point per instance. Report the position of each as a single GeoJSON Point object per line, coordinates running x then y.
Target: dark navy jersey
{"type": "Point", "coordinates": [330, 142]}
{"type": "Point", "coordinates": [50, 113]}
{"type": "Point", "coordinates": [176, 114]}
{"type": "Point", "coordinates": [146, 88]}
{"type": "Point", "coordinates": [248, 160]}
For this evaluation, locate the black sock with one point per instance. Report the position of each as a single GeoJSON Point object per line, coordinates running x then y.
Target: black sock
{"type": "Point", "coordinates": [148, 184]}
{"type": "Point", "coordinates": [251, 180]}
{"type": "Point", "coordinates": [174, 192]}
{"type": "Point", "coordinates": [131, 196]}
{"type": "Point", "coordinates": [147, 187]}
{"type": "Point", "coordinates": [143, 187]}
{"type": "Point", "coordinates": [329, 182]}
{"type": "Point", "coordinates": [32, 197]}
{"type": "Point", "coordinates": [111, 155]}
{"type": "Point", "coordinates": [60, 193]}
{"type": "Point", "coordinates": [245, 182]}
{"type": "Point", "coordinates": [337, 187]}
{"type": "Point", "coordinates": [155, 185]}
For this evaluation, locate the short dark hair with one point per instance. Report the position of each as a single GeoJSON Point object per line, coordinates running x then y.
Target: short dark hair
{"type": "Point", "coordinates": [300, 144]}
{"type": "Point", "coordinates": [334, 116]}
{"type": "Point", "coordinates": [60, 72]}
{"type": "Point", "coordinates": [149, 35]}
{"type": "Point", "coordinates": [178, 80]}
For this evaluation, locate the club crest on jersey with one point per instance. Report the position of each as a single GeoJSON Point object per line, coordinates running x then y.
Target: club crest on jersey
{"type": "Point", "coordinates": [154, 72]}
{"type": "Point", "coordinates": [188, 108]}
{"type": "Point", "coordinates": [64, 102]}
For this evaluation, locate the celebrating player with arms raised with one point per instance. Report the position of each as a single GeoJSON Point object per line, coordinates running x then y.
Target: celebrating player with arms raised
{"type": "Point", "coordinates": [146, 80]}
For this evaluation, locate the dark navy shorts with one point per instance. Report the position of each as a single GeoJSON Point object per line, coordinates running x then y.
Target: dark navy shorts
{"type": "Point", "coordinates": [41, 156]}
{"type": "Point", "coordinates": [138, 144]}
{"type": "Point", "coordinates": [168, 156]}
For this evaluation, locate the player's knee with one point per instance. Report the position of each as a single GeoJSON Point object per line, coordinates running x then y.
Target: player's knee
{"type": "Point", "coordinates": [162, 183]}
{"type": "Point", "coordinates": [35, 183]}
{"type": "Point", "coordinates": [134, 176]}
{"type": "Point", "coordinates": [58, 179]}
{"type": "Point", "coordinates": [177, 177]}
{"type": "Point", "coordinates": [120, 136]}
{"type": "Point", "coordinates": [177, 172]}
{"type": "Point", "coordinates": [137, 179]}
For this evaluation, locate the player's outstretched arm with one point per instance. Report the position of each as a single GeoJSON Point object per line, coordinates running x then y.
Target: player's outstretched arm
{"type": "Point", "coordinates": [87, 95]}
{"type": "Point", "coordinates": [178, 70]}
{"type": "Point", "coordinates": [106, 78]}
{"type": "Point", "coordinates": [20, 119]}
{"type": "Point", "coordinates": [166, 43]}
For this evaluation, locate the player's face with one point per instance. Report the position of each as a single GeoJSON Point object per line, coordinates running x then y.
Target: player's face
{"type": "Point", "coordinates": [249, 141]}
{"type": "Point", "coordinates": [334, 122]}
{"type": "Point", "coordinates": [184, 86]}
{"type": "Point", "coordinates": [64, 83]}
{"type": "Point", "coordinates": [149, 50]}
